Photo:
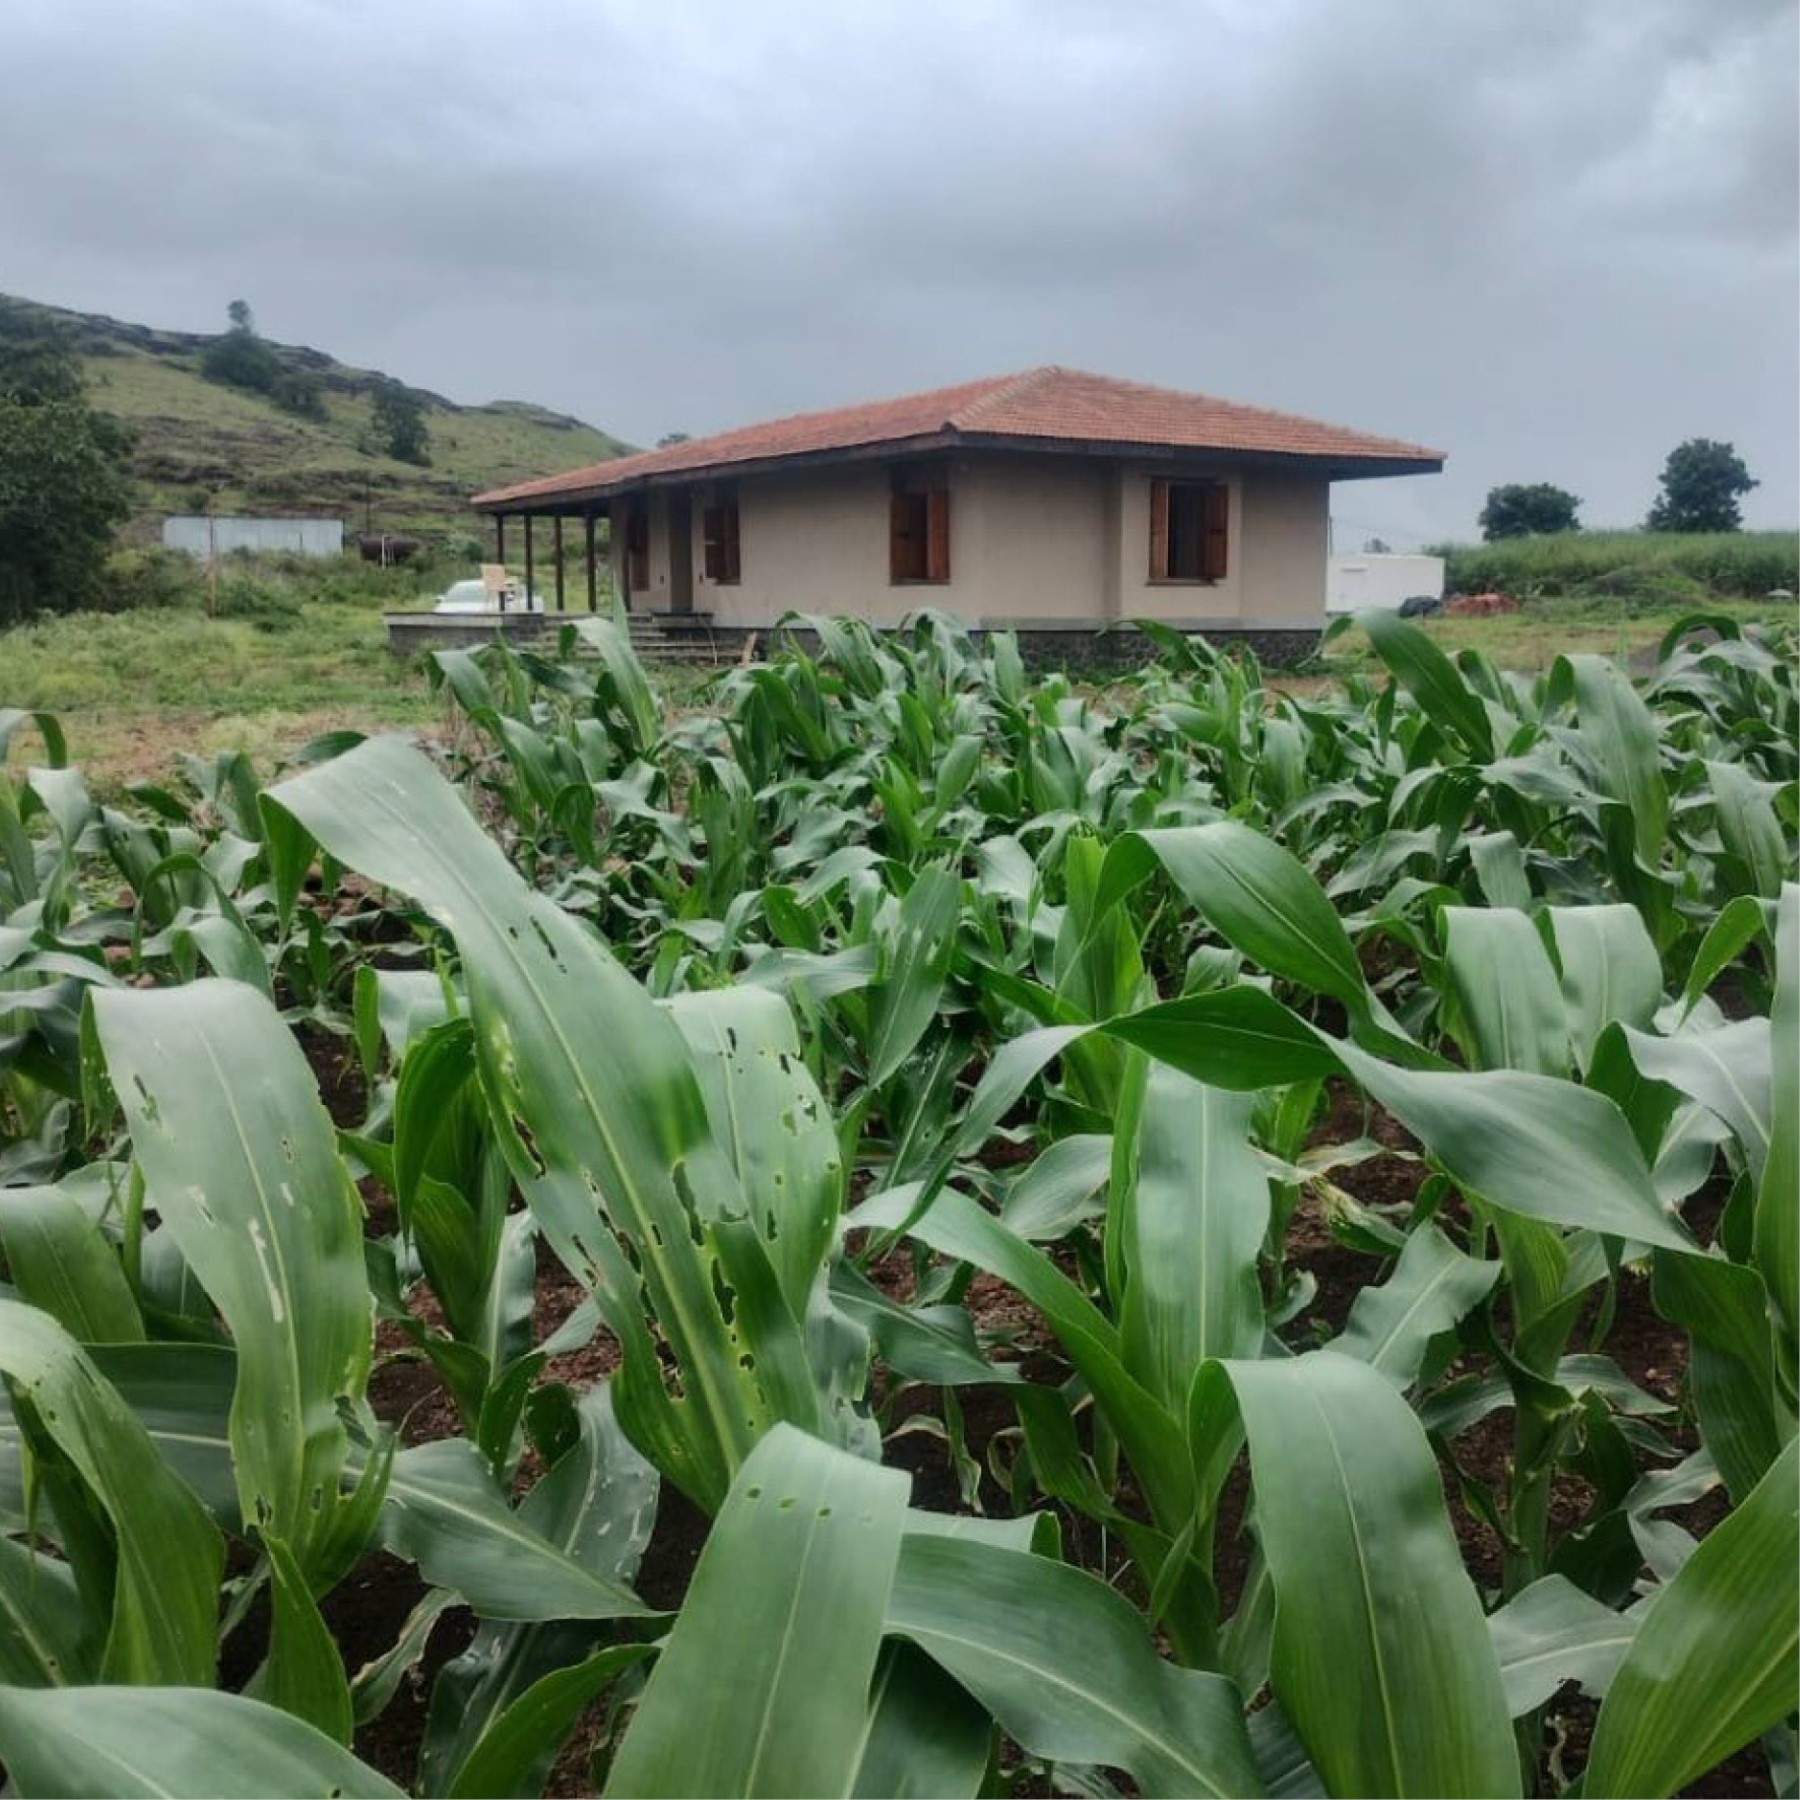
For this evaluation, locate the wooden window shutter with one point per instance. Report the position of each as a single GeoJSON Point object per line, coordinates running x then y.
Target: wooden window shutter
{"type": "Point", "coordinates": [733, 559]}
{"type": "Point", "coordinates": [897, 538]}
{"type": "Point", "coordinates": [712, 538]}
{"type": "Point", "coordinates": [1212, 555]}
{"type": "Point", "coordinates": [1159, 531]}
{"type": "Point", "coordinates": [937, 534]}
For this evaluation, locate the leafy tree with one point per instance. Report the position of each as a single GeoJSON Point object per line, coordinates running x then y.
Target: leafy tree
{"type": "Point", "coordinates": [400, 426]}
{"type": "Point", "coordinates": [1701, 483]}
{"type": "Point", "coordinates": [63, 486]}
{"type": "Point", "coordinates": [1528, 510]}
{"type": "Point", "coordinates": [240, 358]}
{"type": "Point", "coordinates": [672, 437]}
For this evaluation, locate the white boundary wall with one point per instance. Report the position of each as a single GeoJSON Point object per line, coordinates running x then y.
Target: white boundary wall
{"type": "Point", "coordinates": [1355, 582]}
{"type": "Point", "coordinates": [202, 537]}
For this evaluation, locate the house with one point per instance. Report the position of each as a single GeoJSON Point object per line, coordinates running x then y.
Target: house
{"type": "Point", "coordinates": [1054, 502]}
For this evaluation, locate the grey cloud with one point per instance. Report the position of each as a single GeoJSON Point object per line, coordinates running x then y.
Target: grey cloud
{"type": "Point", "coordinates": [1553, 239]}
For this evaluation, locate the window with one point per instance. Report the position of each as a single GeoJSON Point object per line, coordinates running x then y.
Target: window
{"type": "Point", "coordinates": [720, 560]}
{"type": "Point", "coordinates": [918, 528]}
{"type": "Point", "coordinates": [637, 550]}
{"type": "Point", "coordinates": [1187, 530]}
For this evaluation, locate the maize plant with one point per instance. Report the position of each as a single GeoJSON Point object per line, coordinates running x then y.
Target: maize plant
{"type": "Point", "coordinates": [915, 1228]}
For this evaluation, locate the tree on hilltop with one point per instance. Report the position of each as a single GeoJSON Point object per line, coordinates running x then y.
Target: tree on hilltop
{"type": "Point", "coordinates": [242, 359]}
{"type": "Point", "coordinates": [239, 358]}
{"type": "Point", "coordinates": [400, 426]}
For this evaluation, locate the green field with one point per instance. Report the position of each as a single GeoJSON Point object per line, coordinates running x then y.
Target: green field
{"type": "Point", "coordinates": [197, 438]}
{"type": "Point", "coordinates": [914, 1226]}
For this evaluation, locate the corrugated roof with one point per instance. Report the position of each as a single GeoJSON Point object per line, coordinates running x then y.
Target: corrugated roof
{"type": "Point", "coordinates": [1054, 405]}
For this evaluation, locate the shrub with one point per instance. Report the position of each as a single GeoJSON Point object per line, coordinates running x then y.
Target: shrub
{"type": "Point", "coordinates": [148, 580]}
{"type": "Point", "coordinates": [300, 392]}
{"type": "Point", "coordinates": [1650, 567]}
{"type": "Point", "coordinates": [264, 604]}
{"type": "Point", "coordinates": [350, 581]}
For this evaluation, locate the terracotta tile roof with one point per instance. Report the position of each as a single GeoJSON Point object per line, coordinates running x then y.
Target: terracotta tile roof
{"type": "Point", "coordinates": [1051, 404]}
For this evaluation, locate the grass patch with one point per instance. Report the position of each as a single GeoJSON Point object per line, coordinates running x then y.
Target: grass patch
{"type": "Point", "coordinates": [294, 649]}
{"type": "Point", "coordinates": [133, 689]}
{"type": "Point", "coordinates": [1541, 630]}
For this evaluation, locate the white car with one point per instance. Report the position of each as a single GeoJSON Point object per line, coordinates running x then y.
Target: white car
{"type": "Point", "coordinates": [476, 597]}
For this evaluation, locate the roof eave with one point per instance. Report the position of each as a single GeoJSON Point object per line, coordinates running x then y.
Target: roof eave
{"type": "Point", "coordinates": [1334, 465]}
{"type": "Point", "coordinates": [731, 469]}
{"type": "Point", "coordinates": [1369, 468]}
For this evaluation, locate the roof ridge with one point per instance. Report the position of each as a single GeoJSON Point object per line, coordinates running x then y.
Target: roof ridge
{"type": "Point", "coordinates": [1006, 388]}
{"type": "Point", "coordinates": [1247, 408]}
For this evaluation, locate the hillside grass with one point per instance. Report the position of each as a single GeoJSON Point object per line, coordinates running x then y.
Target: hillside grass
{"type": "Point", "coordinates": [1651, 569]}
{"type": "Point", "coordinates": [195, 437]}
{"type": "Point", "coordinates": [199, 440]}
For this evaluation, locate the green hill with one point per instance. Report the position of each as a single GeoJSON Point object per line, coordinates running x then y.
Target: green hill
{"type": "Point", "coordinates": [196, 438]}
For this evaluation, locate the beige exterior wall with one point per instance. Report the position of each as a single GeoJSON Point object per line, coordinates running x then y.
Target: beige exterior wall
{"type": "Point", "coordinates": [813, 541]}
{"type": "Point", "coordinates": [1028, 538]}
{"type": "Point", "coordinates": [1287, 542]}
{"type": "Point", "coordinates": [1042, 539]}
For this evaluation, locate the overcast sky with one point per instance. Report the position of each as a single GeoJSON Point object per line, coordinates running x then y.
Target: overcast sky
{"type": "Point", "coordinates": [1552, 237]}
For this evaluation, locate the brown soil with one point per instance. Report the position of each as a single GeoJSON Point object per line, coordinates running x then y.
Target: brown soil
{"type": "Point", "coordinates": [338, 1073]}
{"type": "Point", "coordinates": [1569, 1723]}
{"type": "Point", "coordinates": [370, 1608]}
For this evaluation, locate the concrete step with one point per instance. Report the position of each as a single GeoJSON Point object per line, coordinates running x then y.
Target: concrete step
{"type": "Point", "coordinates": [656, 639]}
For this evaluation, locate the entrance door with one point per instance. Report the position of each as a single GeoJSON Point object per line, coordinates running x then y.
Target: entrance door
{"type": "Point", "coordinates": [681, 552]}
